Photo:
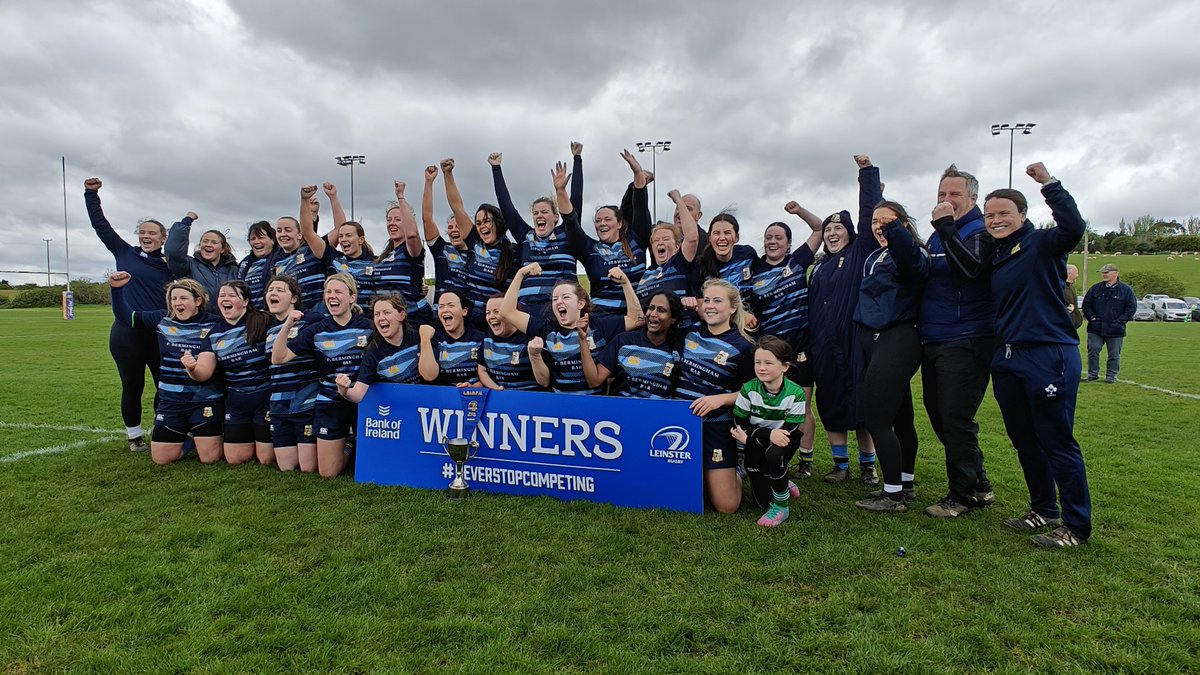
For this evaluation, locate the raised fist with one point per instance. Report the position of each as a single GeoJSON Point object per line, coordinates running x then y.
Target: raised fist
{"type": "Point", "coordinates": [576, 148]}
{"type": "Point", "coordinates": [307, 191]}
{"type": "Point", "coordinates": [531, 270]}
{"type": "Point", "coordinates": [400, 185]}
{"type": "Point", "coordinates": [581, 325]}
{"type": "Point", "coordinates": [430, 173]}
{"type": "Point", "coordinates": [118, 279]}
{"type": "Point", "coordinates": [330, 190]}
{"type": "Point", "coordinates": [617, 274]}
{"type": "Point", "coordinates": [495, 158]}
{"type": "Point", "coordinates": [92, 184]}
{"type": "Point", "coordinates": [1038, 172]}
{"type": "Point", "coordinates": [942, 210]}
{"type": "Point", "coordinates": [343, 381]}
{"type": "Point", "coordinates": [447, 165]}
{"type": "Point", "coordinates": [188, 361]}
{"type": "Point", "coordinates": [535, 346]}
{"type": "Point", "coordinates": [690, 302]}
{"type": "Point", "coordinates": [675, 196]}
{"type": "Point", "coordinates": [426, 331]}
{"type": "Point", "coordinates": [863, 161]}
{"type": "Point", "coordinates": [292, 317]}
{"type": "Point", "coordinates": [792, 207]}
{"type": "Point", "coordinates": [192, 215]}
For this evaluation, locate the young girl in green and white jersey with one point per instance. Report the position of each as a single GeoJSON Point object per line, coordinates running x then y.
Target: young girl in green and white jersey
{"type": "Point", "coordinates": [768, 414]}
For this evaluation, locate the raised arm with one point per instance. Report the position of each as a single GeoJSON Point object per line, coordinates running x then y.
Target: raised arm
{"type": "Point", "coordinates": [307, 227]}
{"type": "Point", "coordinates": [465, 222]}
{"type": "Point", "coordinates": [508, 306]}
{"type": "Point", "coordinates": [104, 229]}
{"type": "Point", "coordinates": [541, 371]}
{"type": "Point", "coordinates": [1069, 224]}
{"type": "Point", "coordinates": [281, 353]}
{"type": "Point", "coordinates": [576, 177]}
{"type": "Point", "coordinates": [870, 193]}
{"type": "Point", "coordinates": [635, 205]}
{"type": "Point", "coordinates": [691, 233]}
{"type": "Point", "coordinates": [967, 259]}
{"type": "Point", "coordinates": [912, 263]}
{"type": "Point", "coordinates": [427, 363]}
{"type": "Point", "coordinates": [408, 223]}
{"type": "Point", "coordinates": [427, 220]}
{"type": "Point", "coordinates": [579, 243]}
{"type": "Point", "coordinates": [814, 224]}
{"type": "Point", "coordinates": [339, 214]}
{"type": "Point", "coordinates": [634, 318]}
{"type": "Point", "coordinates": [351, 391]}
{"type": "Point", "coordinates": [176, 247]}
{"type": "Point", "coordinates": [120, 307]}
{"type": "Point", "coordinates": [512, 217]}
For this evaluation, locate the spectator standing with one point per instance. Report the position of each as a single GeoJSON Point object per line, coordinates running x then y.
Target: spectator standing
{"type": "Point", "coordinates": [1107, 306]}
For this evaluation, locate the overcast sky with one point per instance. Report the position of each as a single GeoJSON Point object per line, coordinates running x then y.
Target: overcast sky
{"type": "Point", "coordinates": [226, 109]}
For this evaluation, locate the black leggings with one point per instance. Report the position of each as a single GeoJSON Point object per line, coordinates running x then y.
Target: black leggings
{"type": "Point", "coordinates": [767, 466]}
{"type": "Point", "coordinates": [890, 358]}
{"type": "Point", "coordinates": [134, 349]}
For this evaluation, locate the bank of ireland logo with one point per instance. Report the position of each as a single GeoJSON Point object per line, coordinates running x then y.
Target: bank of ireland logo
{"type": "Point", "coordinates": [385, 410]}
{"type": "Point", "coordinates": [670, 439]}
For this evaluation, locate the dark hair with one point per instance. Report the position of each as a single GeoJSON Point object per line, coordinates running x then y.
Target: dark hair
{"type": "Point", "coordinates": [508, 253]}
{"type": "Point", "coordinates": [622, 228]}
{"type": "Point", "coordinates": [674, 304]}
{"type": "Point", "coordinates": [261, 227]}
{"type": "Point", "coordinates": [463, 300]}
{"type": "Point", "coordinates": [901, 215]}
{"type": "Point", "coordinates": [257, 321]}
{"type": "Point", "coordinates": [1010, 194]}
{"type": "Point", "coordinates": [362, 234]}
{"type": "Point", "coordinates": [778, 347]}
{"type": "Point", "coordinates": [226, 249]}
{"type": "Point", "coordinates": [398, 302]}
{"type": "Point", "coordinates": [580, 291]}
{"type": "Point", "coordinates": [293, 288]}
{"type": "Point", "coordinates": [707, 261]}
{"type": "Point", "coordinates": [787, 230]}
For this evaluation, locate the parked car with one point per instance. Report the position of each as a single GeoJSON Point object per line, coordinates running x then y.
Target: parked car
{"type": "Point", "coordinates": [1144, 311]}
{"type": "Point", "coordinates": [1173, 309]}
{"type": "Point", "coordinates": [1191, 302]}
{"type": "Point", "coordinates": [1153, 298]}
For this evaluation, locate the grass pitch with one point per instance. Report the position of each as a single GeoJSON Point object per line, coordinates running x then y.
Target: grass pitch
{"type": "Point", "coordinates": [108, 563]}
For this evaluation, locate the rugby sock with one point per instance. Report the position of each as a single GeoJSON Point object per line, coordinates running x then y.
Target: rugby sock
{"type": "Point", "coordinates": [806, 455]}
{"type": "Point", "coordinates": [892, 491]}
{"type": "Point", "coordinates": [781, 498]}
{"type": "Point", "coordinates": [133, 432]}
{"type": "Point", "coordinates": [907, 479]}
{"type": "Point", "coordinates": [865, 458]}
{"type": "Point", "coordinates": [841, 456]}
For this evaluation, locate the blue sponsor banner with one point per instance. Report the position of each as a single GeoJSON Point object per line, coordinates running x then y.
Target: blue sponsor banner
{"type": "Point", "coordinates": [629, 452]}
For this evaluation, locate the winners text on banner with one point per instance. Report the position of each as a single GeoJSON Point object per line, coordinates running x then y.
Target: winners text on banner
{"type": "Point", "coordinates": [629, 452]}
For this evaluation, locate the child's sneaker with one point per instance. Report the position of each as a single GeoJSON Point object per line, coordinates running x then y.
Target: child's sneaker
{"type": "Point", "coordinates": [774, 517]}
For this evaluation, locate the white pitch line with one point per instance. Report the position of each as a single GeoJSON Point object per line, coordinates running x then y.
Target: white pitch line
{"type": "Point", "coordinates": [53, 427]}
{"type": "Point", "coordinates": [1160, 389]}
{"type": "Point", "coordinates": [54, 449]}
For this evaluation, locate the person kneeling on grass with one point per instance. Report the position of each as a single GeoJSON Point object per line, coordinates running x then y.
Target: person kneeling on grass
{"type": "Point", "coordinates": [769, 415]}
{"type": "Point", "coordinates": [184, 406]}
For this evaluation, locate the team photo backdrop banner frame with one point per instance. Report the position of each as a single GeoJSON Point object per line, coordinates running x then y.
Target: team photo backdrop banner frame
{"type": "Point", "coordinates": [638, 453]}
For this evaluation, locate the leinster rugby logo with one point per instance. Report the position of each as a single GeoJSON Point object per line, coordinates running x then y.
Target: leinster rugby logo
{"type": "Point", "coordinates": [671, 444]}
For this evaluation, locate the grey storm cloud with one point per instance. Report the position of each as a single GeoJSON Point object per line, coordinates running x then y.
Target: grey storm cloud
{"type": "Point", "coordinates": [228, 108]}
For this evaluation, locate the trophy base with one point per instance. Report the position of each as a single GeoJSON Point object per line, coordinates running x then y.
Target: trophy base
{"type": "Point", "coordinates": [457, 493]}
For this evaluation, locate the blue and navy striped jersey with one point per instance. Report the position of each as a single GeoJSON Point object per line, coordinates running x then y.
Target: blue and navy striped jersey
{"type": "Point", "coordinates": [674, 276]}
{"type": "Point", "coordinates": [736, 270]}
{"type": "Point", "coordinates": [449, 267]}
{"type": "Point", "coordinates": [506, 361]}
{"type": "Point", "coordinates": [641, 369]}
{"type": "Point", "coordinates": [246, 366]}
{"type": "Point", "coordinates": [308, 270]}
{"type": "Point", "coordinates": [360, 268]}
{"type": "Point", "coordinates": [256, 272]}
{"type": "Point", "coordinates": [779, 297]}
{"type": "Point", "coordinates": [561, 352]}
{"type": "Point", "coordinates": [457, 357]}
{"type": "Point", "coordinates": [338, 349]}
{"type": "Point", "coordinates": [174, 338]}
{"type": "Point", "coordinates": [398, 272]}
{"type": "Point", "coordinates": [554, 255]}
{"type": "Point", "coordinates": [714, 364]}
{"type": "Point", "coordinates": [294, 384]}
{"type": "Point", "coordinates": [386, 362]}
{"type": "Point", "coordinates": [481, 273]}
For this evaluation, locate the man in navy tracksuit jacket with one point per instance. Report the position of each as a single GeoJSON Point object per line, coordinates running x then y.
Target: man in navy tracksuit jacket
{"type": "Point", "coordinates": [1035, 370]}
{"type": "Point", "coordinates": [1107, 306]}
{"type": "Point", "coordinates": [956, 328]}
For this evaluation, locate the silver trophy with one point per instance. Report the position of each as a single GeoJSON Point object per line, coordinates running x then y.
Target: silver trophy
{"type": "Point", "coordinates": [460, 451]}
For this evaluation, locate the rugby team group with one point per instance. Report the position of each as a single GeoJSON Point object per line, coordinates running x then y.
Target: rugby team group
{"type": "Point", "coordinates": [264, 359]}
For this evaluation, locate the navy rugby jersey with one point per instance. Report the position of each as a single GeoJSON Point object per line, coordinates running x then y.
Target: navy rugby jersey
{"type": "Point", "coordinates": [308, 270]}
{"type": "Point", "coordinates": [506, 360]}
{"type": "Point", "coordinates": [598, 258]}
{"type": "Point", "coordinates": [779, 297]}
{"type": "Point", "coordinates": [737, 270]}
{"type": "Point", "coordinates": [338, 350]}
{"type": "Point", "coordinates": [246, 366]}
{"type": "Point", "coordinates": [293, 384]}
{"type": "Point", "coordinates": [673, 276]}
{"type": "Point", "coordinates": [449, 268]}
{"type": "Point", "coordinates": [256, 272]}
{"type": "Point", "coordinates": [481, 273]}
{"type": "Point", "coordinates": [174, 338]}
{"type": "Point", "coordinates": [561, 353]}
{"type": "Point", "coordinates": [360, 269]}
{"type": "Point", "coordinates": [386, 362]}
{"type": "Point", "coordinates": [457, 358]}
{"type": "Point", "coordinates": [399, 272]}
{"type": "Point", "coordinates": [714, 364]}
{"type": "Point", "coordinates": [641, 369]}
{"type": "Point", "coordinates": [556, 253]}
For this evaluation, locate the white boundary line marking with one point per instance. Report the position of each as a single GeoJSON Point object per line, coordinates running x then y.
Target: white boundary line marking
{"type": "Point", "coordinates": [1158, 389]}
{"type": "Point", "coordinates": [54, 427]}
{"type": "Point", "coordinates": [54, 449]}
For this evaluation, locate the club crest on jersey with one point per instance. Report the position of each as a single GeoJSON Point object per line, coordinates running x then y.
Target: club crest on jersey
{"type": "Point", "coordinates": [787, 272]}
{"type": "Point", "coordinates": [746, 274]}
{"type": "Point", "coordinates": [591, 341]}
{"type": "Point", "coordinates": [392, 257]}
{"type": "Point", "coordinates": [299, 258]}
{"type": "Point", "coordinates": [293, 332]}
{"type": "Point", "coordinates": [718, 455]}
{"type": "Point", "coordinates": [515, 358]}
{"type": "Point", "coordinates": [369, 270]}
{"type": "Point", "coordinates": [801, 358]}
{"type": "Point", "coordinates": [721, 358]}
{"type": "Point", "coordinates": [361, 341]}
{"type": "Point", "coordinates": [208, 411]}
{"type": "Point", "coordinates": [474, 353]}
{"type": "Point", "coordinates": [204, 333]}
{"type": "Point", "coordinates": [668, 367]}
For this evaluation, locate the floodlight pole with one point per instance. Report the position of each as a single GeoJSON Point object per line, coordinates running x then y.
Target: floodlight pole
{"type": "Point", "coordinates": [1023, 127]}
{"type": "Point", "coordinates": [655, 148]}
{"type": "Point", "coordinates": [350, 161]}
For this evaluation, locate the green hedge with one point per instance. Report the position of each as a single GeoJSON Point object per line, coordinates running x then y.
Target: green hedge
{"type": "Point", "coordinates": [86, 293]}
